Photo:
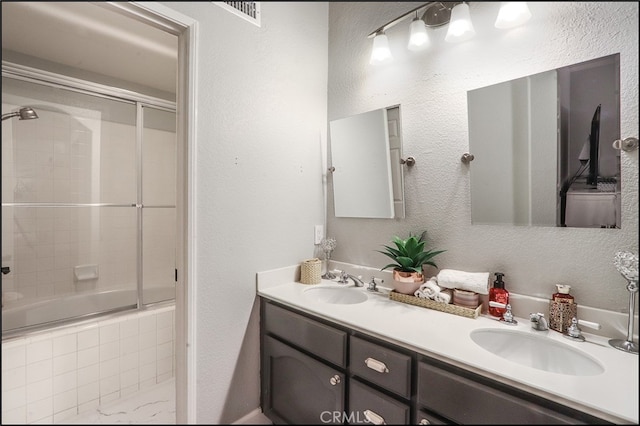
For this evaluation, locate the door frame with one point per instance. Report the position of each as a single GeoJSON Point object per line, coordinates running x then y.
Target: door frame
{"type": "Point", "coordinates": [185, 28]}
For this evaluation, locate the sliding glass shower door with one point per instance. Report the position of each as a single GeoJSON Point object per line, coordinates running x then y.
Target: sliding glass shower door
{"type": "Point", "coordinates": [88, 204]}
{"type": "Point", "coordinates": [158, 196]}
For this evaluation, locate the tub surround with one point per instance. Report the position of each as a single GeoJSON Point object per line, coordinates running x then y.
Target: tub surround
{"type": "Point", "coordinates": [612, 395]}
{"type": "Point", "coordinates": [54, 375]}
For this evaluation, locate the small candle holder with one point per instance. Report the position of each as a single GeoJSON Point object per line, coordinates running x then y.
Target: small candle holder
{"type": "Point", "coordinates": [627, 264]}
{"type": "Point", "coordinates": [328, 245]}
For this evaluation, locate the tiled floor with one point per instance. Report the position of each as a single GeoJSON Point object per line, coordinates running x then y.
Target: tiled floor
{"type": "Point", "coordinates": [155, 405]}
{"type": "Point", "coordinates": [150, 406]}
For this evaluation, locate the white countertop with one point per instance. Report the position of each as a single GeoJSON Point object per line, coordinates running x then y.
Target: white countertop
{"type": "Point", "coordinates": [612, 395]}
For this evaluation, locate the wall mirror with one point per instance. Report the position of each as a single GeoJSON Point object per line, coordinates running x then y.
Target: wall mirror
{"type": "Point", "coordinates": [366, 152]}
{"type": "Point", "coordinates": [542, 148]}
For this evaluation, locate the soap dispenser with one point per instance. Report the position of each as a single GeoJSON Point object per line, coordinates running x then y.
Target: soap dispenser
{"type": "Point", "coordinates": [499, 294]}
{"type": "Point", "coordinates": [562, 309]}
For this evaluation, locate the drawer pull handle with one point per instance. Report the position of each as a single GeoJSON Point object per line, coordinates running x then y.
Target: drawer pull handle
{"type": "Point", "coordinates": [334, 380]}
{"type": "Point", "coordinates": [374, 418]}
{"type": "Point", "coordinates": [376, 365]}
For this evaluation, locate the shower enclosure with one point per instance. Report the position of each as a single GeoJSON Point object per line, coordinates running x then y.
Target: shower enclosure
{"type": "Point", "coordinates": [88, 200]}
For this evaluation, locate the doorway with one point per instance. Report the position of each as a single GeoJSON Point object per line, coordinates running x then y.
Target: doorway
{"type": "Point", "coordinates": [157, 17]}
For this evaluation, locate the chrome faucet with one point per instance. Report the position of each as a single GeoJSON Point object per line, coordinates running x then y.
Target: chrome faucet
{"type": "Point", "coordinates": [344, 277]}
{"type": "Point", "coordinates": [373, 285]}
{"type": "Point", "coordinates": [538, 322]}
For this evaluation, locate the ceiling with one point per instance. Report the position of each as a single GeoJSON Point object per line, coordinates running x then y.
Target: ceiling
{"type": "Point", "coordinates": [91, 38]}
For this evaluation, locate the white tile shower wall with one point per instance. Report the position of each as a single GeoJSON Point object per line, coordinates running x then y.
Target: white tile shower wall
{"type": "Point", "coordinates": [75, 157]}
{"type": "Point", "coordinates": [68, 157]}
{"type": "Point", "coordinates": [61, 373]}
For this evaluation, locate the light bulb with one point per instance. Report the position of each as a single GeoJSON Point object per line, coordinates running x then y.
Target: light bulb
{"type": "Point", "coordinates": [460, 25]}
{"type": "Point", "coordinates": [418, 39]}
{"type": "Point", "coordinates": [512, 14]}
{"type": "Point", "coordinates": [380, 52]}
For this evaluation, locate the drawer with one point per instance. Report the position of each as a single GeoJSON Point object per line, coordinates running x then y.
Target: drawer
{"type": "Point", "coordinates": [380, 365]}
{"type": "Point", "coordinates": [368, 406]}
{"type": "Point", "coordinates": [467, 401]}
{"type": "Point", "coordinates": [427, 418]}
{"type": "Point", "coordinates": [326, 342]}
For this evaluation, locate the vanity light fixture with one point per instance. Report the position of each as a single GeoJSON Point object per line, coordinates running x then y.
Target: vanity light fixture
{"type": "Point", "coordinates": [381, 52]}
{"type": "Point", "coordinates": [418, 39]}
{"type": "Point", "coordinates": [512, 14]}
{"type": "Point", "coordinates": [460, 26]}
{"type": "Point", "coordinates": [436, 14]}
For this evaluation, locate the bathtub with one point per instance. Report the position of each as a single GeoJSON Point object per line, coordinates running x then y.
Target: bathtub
{"type": "Point", "coordinates": [22, 314]}
{"type": "Point", "coordinates": [97, 360]}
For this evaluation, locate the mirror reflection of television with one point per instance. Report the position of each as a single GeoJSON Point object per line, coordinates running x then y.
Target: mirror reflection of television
{"type": "Point", "coordinates": [594, 148]}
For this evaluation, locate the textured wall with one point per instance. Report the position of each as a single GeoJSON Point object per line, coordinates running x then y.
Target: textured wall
{"type": "Point", "coordinates": [431, 88]}
{"type": "Point", "coordinates": [261, 114]}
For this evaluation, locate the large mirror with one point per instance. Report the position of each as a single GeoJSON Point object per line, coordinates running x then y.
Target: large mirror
{"type": "Point", "coordinates": [542, 148]}
{"type": "Point", "coordinates": [366, 152]}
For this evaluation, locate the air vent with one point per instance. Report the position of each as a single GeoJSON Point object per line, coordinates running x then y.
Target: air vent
{"type": "Point", "coordinates": [247, 10]}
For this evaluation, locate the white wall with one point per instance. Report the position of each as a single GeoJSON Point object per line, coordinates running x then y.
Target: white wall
{"type": "Point", "coordinates": [431, 88]}
{"type": "Point", "coordinates": [261, 115]}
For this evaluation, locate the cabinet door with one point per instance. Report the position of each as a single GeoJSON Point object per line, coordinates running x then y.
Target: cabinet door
{"type": "Point", "coordinates": [368, 406]}
{"type": "Point", "coordinates": [297, 389]}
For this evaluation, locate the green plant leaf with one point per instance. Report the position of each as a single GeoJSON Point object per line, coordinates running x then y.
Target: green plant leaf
{"type": "Point", "coordinates": [409, 254]}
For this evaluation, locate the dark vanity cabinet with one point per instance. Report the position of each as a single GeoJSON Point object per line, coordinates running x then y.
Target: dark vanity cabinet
{"type": "Point", "coordinates": [303, 378]}
{"type": "Point", "coordinates": [314, 371]}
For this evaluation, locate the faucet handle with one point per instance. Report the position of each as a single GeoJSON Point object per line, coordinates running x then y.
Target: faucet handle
{"type": "Point", "coordinates": [589, 324]}
{"type": "Point", "coordinates": [507, 317]}
{"type": "Point", "coordinates": [574, 332]}
{"type": "Point", "coordinates": [373, 285]}
{"type": "Point", "coordinates": [343, 277]}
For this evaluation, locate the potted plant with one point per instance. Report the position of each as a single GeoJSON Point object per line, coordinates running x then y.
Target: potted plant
{"type": "Point", "coordinates": [409, 256]}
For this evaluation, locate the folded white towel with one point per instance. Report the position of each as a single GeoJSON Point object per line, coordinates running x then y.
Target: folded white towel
{"type": "Point", "coordinates": [430, 288]}
{"type": "Point", "coordinates": [478, 282]}
{"type": "Point", "coordinates": [419, 293]}
{"type": "Point", "coordinates": [444, 296]}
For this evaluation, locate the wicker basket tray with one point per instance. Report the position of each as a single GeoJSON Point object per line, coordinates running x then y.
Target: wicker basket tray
{"type": "Point", "coordinates": [443, 307]}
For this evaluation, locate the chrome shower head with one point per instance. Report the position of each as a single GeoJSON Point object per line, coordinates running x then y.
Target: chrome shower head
{"type": "Point", "coordinates": [25, 113]}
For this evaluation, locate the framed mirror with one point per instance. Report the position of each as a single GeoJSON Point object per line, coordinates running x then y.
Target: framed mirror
{"type": "Point", "coordinates": [366, 152]}
{"type": "Point", "coordinates": [542, 148]}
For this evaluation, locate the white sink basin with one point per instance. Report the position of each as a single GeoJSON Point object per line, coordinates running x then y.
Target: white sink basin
{"type": "Point", "coordinates": [336, 295]}
{"type": "Point", "coordinates": [536, 351]}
